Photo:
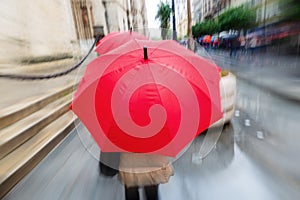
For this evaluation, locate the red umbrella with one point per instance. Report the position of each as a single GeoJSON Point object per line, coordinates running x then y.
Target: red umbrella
{"type": "Point", "coordinates": [116, 39]}
{"type": "Point", "coordinates": [106, 38]}
{"type": "Point", "coordinates": [154, 100]}
{"type": "Point", "coordinates": [207, 39]}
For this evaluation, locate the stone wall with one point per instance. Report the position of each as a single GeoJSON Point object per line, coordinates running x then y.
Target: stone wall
{"type": "Point", "coordinates": [35, 30]}
{"type": "Point", "coordinates": [99, 15]}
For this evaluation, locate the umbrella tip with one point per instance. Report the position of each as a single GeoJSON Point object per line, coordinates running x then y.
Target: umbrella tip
{"type": "Point", "coordinates": [130, 29]}
{"type": "Point", "coordinates": [145, 53]}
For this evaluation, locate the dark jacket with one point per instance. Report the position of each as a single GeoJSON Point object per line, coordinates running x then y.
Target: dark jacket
{"type": "Point", "coordinates": [235, 43]}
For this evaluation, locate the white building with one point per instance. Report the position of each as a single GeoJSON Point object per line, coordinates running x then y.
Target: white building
{"type": "Point", "coordinates": [116, 15]}
{"type": "Point", "coordinates": [181, 18]}
{"type": "Point", "coordinates": [268, 11]}
{"type": "Point", "coordinates": [208, 9]}
{"type": "Point", "coordinates": [235, 3]}
{"type": "Point", "coordinates": [197, 11]}
{"type": "Point", "coordinates": [139, 15]}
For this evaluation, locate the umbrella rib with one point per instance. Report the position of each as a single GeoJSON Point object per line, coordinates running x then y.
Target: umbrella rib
{"type": "Point", "coordinates": [111, 71]}
{"type": "Point", "coordinates": [188, 61]}
{"type": "Point", "coordinates": [156, 48]}
{"type": "Point", "coordinates": [135, 41]}
{"type": "Point", "coordinates": [156, 85]}
{"type": "Point", "coordinates": [110, 127]}
{"type": "Point", "coordinates": [115, 56]}
{"type": "Point", "coordinates": [119, 103]}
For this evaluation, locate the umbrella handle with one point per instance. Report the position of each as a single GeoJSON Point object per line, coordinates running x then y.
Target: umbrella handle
{"type": "Point", "coordinates": [145, 53]}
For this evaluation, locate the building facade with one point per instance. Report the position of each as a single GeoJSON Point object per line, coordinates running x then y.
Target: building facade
{"type": "Point", "coordinates": [197, 10]}
{"type": "Point", "coordinates": [116, 15]}
{"type": "Point", "coordinates": [139, 15]}
{"type": "Point", "coordinates": [267, 11]}
{"type": "Point", "coordinates": [35, 29]}
{"type": "Point", "coordinates": [208, 9]}
{"type": "Point", "coordinates": [45, 30]}
{"type": "Point", "coordinates": [181, 18]}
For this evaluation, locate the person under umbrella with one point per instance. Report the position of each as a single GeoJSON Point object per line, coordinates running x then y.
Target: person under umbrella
{"type": "Point", "coordinates": [140, 98]}
{"type": "Point", "coordinates": [144, 171]}
{"type": "Point", "coordinates": [234, 45]}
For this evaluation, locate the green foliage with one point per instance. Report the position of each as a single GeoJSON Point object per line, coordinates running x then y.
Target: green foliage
{"type": "Point", "coordinates": [233, 18]}
{"type": "Point", "coordinates": [290, 10]}
{"type": "Point", "coordinates": [164, 15]}
{"type": "Point", "coordinates": [237, 18]}
{"type": "Point", "coordinates": [224, 73]}
{"type": "Point", "coordinates": [205, 28]}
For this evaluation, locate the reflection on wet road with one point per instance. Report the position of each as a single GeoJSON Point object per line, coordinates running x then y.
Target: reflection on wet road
{"type": "Point", "coordinates": [272, 139]}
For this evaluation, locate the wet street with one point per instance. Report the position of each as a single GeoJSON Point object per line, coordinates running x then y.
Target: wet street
{"type": "Point", "coordinates": [256, 155]}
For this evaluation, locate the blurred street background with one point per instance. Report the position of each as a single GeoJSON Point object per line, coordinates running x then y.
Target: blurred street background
{"type": "Point", "coordinates": [256, 156]}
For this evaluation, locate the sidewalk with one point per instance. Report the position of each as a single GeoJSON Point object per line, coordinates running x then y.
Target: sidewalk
{"type": "Point", "coordinates": [279, 74]}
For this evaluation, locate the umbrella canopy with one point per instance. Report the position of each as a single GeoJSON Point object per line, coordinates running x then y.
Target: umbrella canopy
{"type": "Point", "coordinates": [106, 37]}
{"type": "Point", "coordinates": [116, 39]}
{"type": "Point", "coordinates": [229, 36]}
{"type": "Point", "coordinates": [223, 33]}
{"type": "Point", "coordinates": [148, 100]}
